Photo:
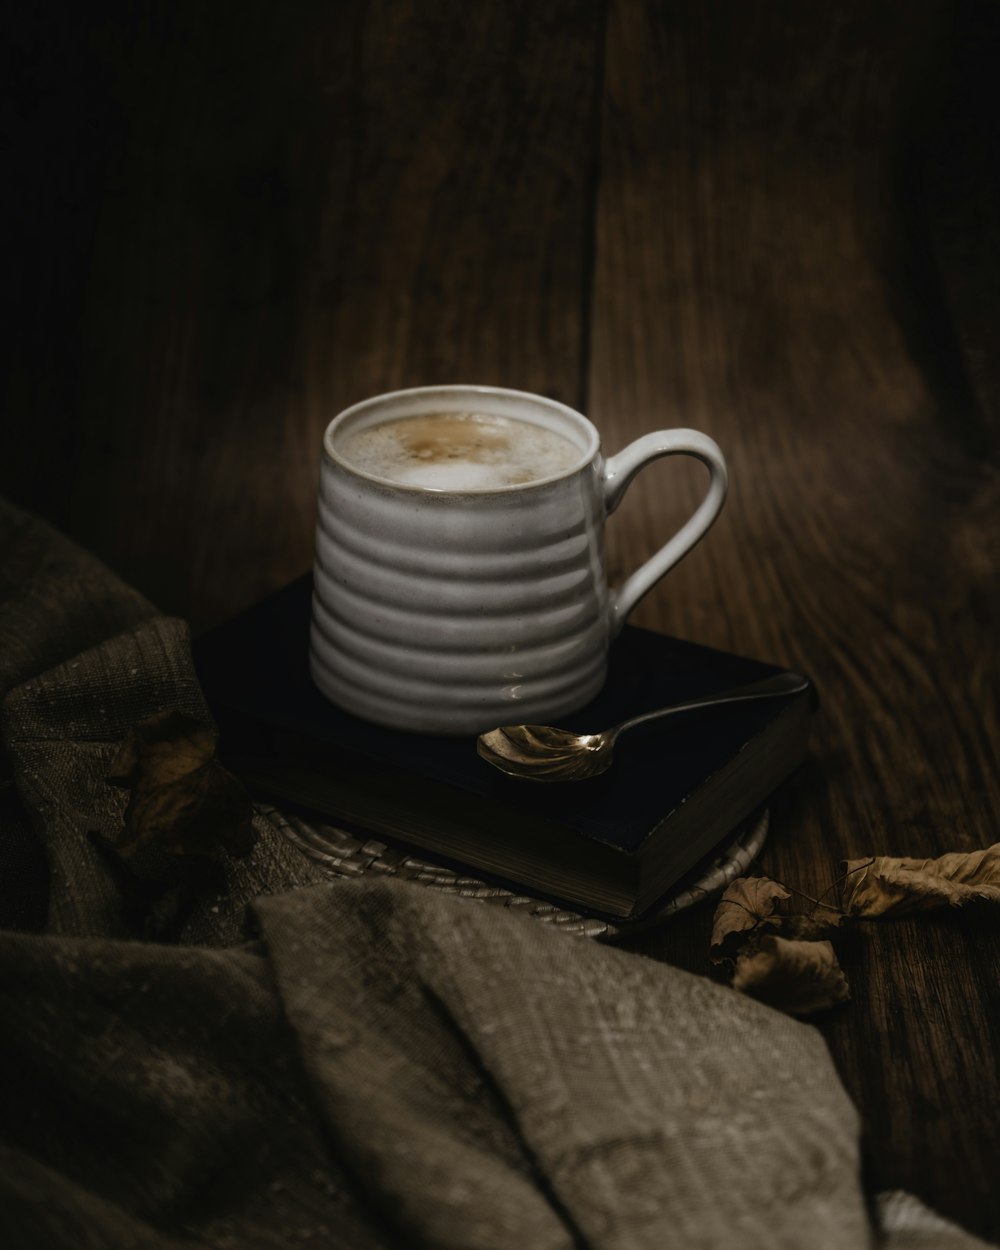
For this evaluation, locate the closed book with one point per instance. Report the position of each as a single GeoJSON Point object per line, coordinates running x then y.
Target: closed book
{"type": "Point", "coordinates": [612, 845]}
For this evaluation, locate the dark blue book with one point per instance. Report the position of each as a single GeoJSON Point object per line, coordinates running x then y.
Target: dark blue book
{"type": "Point", "coordinates": [612, 845]}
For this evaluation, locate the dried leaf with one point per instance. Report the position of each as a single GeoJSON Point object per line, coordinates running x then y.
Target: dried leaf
{"type": "Point", "coordinates": [887, 886]}
{"type": "Point", "coordinates": [799, 977]}
{"type": "Point", "coordinates": [200, 813]}
{"type": "Point", "coordinates": [162, 749]}
{"type": "Point", "coordinates": [182, 802]}
{"type": "Point", "coordinates": [746, 902]}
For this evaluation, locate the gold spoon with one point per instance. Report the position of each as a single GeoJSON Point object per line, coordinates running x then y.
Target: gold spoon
{"type": "Point", "coordinates": [542, 753]}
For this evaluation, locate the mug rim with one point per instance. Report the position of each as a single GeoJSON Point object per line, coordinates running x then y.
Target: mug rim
{"type": "Point", "coordinates": [577, 418]}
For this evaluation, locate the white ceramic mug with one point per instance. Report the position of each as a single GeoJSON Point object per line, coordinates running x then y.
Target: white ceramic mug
{"type": "Point", "coordinates": [453, 611]}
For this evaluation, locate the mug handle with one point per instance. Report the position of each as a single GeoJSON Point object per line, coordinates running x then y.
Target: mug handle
{"type": "Point", "coordinates": [619, 471]}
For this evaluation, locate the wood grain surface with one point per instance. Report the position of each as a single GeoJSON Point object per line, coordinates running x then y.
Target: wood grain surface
{"type": "Point", "coordinates": [772, 223]}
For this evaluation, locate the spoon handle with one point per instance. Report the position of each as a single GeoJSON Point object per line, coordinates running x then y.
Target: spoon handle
{"type": "Point", "coordinates": [769, 688]}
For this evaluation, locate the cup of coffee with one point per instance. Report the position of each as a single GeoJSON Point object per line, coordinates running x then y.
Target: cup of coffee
{"type": "Point", "coordinates": [459, 576]}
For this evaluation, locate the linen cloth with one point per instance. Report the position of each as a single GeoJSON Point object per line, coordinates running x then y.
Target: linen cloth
{"type": "Point", "coordinates": [359, 1063]}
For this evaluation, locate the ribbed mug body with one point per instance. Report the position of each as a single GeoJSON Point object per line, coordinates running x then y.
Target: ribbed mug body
{"type": "Point", "coordinates": [451, 612]}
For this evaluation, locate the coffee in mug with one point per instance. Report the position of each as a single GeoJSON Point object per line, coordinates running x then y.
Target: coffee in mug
{"type": "Point", "coordinates": [459, 451]}
{"type": "Point", "coordinates": [459, 579]}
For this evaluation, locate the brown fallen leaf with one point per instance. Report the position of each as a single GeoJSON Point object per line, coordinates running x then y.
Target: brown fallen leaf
{"type": "Point", "coordinates": [747, 902]}
{"type": "Point", "coordinates": [754, 905]}
{"type": "Point", "coordinates": [887, 886]}
{"type": "Point", "coordinates": [182, 801]}
{"type": "Point", "coordinates": [166, 746]}
{"type": "Point", "coordinates": [800, 977]}
{"type": "Point", "coordinates": [185, 814]}
{"type": "Point", "coordinates": [778, 954]}
{"type": "Point", "coordinates": [782, 956]}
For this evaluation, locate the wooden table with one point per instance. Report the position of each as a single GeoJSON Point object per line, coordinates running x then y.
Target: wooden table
{"type": "Point", "coordinates": [770, 223]}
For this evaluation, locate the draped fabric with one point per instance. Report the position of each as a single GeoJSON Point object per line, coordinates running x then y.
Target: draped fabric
{"type": "Point", "coordinates": [358, 1063]}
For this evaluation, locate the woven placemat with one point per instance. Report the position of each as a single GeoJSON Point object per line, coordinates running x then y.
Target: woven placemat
{"type": "Point", "coordinates": [344, 854]}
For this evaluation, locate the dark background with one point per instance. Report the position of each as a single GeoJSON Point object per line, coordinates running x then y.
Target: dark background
{"type": "Point", "coordinates": [774, 222]}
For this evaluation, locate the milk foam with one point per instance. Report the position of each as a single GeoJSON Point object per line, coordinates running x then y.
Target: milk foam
{"type": "Point", "coordinates": [458, 451]}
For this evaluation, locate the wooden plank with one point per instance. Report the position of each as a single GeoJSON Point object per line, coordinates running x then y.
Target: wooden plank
{"type": "Point", "coordinates": [754, 279]}
{"type": "Point", "coordinates": [284, 209]}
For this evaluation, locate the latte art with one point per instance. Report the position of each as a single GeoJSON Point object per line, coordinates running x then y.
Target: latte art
{"type": "Point", "coordinates": [458, 451]}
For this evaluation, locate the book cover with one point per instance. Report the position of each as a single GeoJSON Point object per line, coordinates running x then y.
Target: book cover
{"type": "Point", "coordinates": [612, 844]}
